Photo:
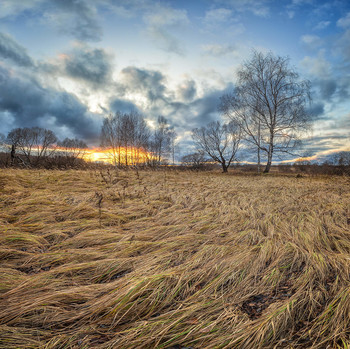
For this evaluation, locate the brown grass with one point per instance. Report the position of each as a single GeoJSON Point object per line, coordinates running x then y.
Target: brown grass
{"type": "Point", "coordinates": [173, 260]}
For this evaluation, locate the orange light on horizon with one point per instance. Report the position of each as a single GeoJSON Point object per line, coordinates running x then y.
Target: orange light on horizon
{"type": "Point", "coordinates": [123, 156]}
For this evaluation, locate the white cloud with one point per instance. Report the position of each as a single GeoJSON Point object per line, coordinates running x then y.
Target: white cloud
{"type": "Point", "coordinates": [317, 66]}
{"type": "Point", "coordinates": [10, 8]}
{"type": "Point", "coordinates": [344, 22]}
{"type": "Point", "coordinates": [301, 2]}
{"type": "Point", "coordinates": [257, 7]}
{"type": "Point", "coordinates": [291, 14]}
{"type": "Point", "coordinates": [161, 23]}
{"type": "Point", "coordinates": [217, 50]}
{"type": "Point", "coordinates": [311, 41]}
{"type": "Point", "coordinates": [218, 15]}
{"type": "Point", "coordinates": [322, 25]}
{"type": "Point", "coordinates": [166, 17]}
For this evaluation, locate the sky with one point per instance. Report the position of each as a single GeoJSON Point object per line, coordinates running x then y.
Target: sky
{"type": "Point", "coordinates": [67, 64]}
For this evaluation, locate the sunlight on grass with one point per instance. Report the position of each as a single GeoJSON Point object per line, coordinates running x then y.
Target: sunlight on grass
{"type": "Point", "coordinates": [172, 260]}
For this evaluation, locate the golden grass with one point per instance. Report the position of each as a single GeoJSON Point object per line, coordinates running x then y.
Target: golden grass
{"type": "Point", "coordinates": [158, 259]}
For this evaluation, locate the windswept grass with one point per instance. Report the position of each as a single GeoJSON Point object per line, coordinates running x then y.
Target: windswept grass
{"type": "Point", "coordinates": [173, 260]}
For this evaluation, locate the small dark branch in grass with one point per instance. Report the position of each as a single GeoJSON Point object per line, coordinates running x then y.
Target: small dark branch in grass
{"type": "Point", "coordinates": [99, 197]}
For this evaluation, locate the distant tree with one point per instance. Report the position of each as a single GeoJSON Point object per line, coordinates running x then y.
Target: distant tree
{"type": "Point", "coordinates": [126, 138]}
{"type": "Point", "coordinates": [34, 143]}
{"type": "Point", "coordinates": [172, 144]}
{"type": "Point", "coordinates": [2, 140]}
{"type": "Point", "coordinates": [135, 137]}
{"type": "Point", "coordinates": [161, 139]}
{"type": "Point", "coordinates": [341, 159]}
{"type": "Point", "coordinates": [72, 149]}
{"type": "Point", "coordinates": [219, 142]}
{"type": "Point", "coordinates": [269, 103]}
{"type": "Point", "coordinates": [195, 160]}
{"type": "Point", "coordinates": [111, 138]}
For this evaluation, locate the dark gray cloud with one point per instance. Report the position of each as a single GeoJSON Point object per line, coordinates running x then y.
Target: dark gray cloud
{"type": "Point", "coordinates": [327, 88]}
{"type": "Point", "coordinates": [187, 90]}
{"type": "Point", "coordinates": [319, 144]}
{"type": "Point", "coordinates": [11, 50]}
{"type": "Point", "coordinates": [181, 106]}
{"type": "Point", "coordinates": [206, 108]}
{"type": "Point", "coordinates": [25, 102]}
{"type": "Point", "coordinates": [150, 83]}
{"type": "Point", "coordinates": [122, 105]}
{"type": "Point", "coordinates": [316, 110]}
{"type": "Point", "coordinates": [91, 65]}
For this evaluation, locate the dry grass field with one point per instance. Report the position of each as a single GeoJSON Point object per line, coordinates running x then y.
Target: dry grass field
{"type": "Point", "coordinates": [173, 260]}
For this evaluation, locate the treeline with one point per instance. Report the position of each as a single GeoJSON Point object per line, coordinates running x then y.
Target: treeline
{"type": "Point", "coordinates": [129, 140]}
{"type": "Point", "coordinates": [338, 164]}
{"type": "Point", "coordinates": [39, 147]}
{"type": "Point", "coordinates": [126, 140]}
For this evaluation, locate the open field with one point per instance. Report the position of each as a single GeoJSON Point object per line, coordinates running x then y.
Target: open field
{"type": "Point", "coordinates": [173, 260]}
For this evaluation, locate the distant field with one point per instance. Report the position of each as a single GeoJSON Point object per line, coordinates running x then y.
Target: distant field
{"type": "Point", "coordinates": [173, 260]}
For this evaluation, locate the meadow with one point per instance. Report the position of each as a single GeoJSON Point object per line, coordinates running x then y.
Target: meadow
{"type": "Point", "coordinates": [170, 259]}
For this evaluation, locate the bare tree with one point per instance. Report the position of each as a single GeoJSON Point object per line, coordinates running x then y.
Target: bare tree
{"type": "Point", "coordinates": [111, 137]}
{"type": "Point", "coordinates": [172, 144]}
{"type": "Point", "coordinates": [3, 144]}
{"type": "Point", "coordinates": [72, 149]}
{"type": "Point", "coordinates": [269, 103]}
{"type": "Point", "coordinates": [219, 141]}
{"type": "Point", "coordinates": [34, 143]}
{"type": "Point", "coordinates": [126, 138]}
{"type": "Point", "coordinates": [161, 139]}
{"type": "Point", "coordinates": [136, 136]}
{"type": "Point", "coordinates": [195, 160]}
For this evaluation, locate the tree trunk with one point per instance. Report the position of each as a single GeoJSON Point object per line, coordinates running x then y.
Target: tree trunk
{"type": "Point", "coordinates": [13, 154]}
{"type": "Point", "coordinates": [259, 148]}
{"type": "Point", "coordinates": [268, 166]}
{"type": "Point", "coordinates": [269, 155]}
{"type": "Point", "coordinates": [224, 167]}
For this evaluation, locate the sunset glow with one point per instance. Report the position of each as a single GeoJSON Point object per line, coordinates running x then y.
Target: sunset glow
{"type": "Point", "coordinates": [129, 156]}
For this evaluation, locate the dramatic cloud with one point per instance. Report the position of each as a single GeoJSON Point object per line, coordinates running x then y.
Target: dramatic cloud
{"type": "Point", "coordinates": [321, 146]}
{"type": "Point", "coordinates": [90, 65]}
{"type": "Point", "coordinates": [187, 90]}
{"type": "Point", "coordinates": [27, 103]}
{"type": "Point", "coordinates": [150, 83]}
{"type": "Point", "coordinates": [316, 110]}
{"type": "Point", "coordinates": [327, 88]}
{"type": "Point", "coordinates": [11, 50]}
{"type": "Point", "coordinates": [122, 105]}
{"type": "Point", "coordinates": [170, 58]}
{"type": "Point", "coordinates": [205, 109]}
